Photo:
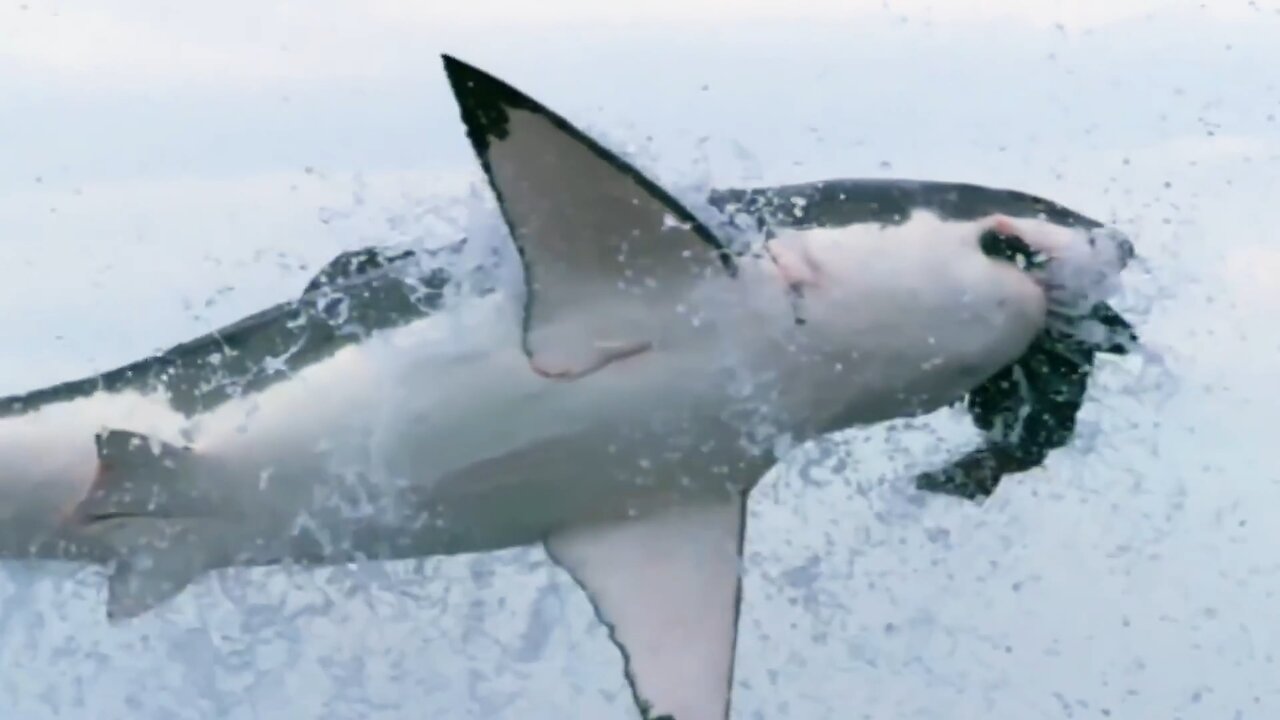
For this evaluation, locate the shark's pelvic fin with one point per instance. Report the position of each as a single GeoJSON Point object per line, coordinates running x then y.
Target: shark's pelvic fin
{"type": "Point", "coordinates": [151, 504]}
{"type": "Point", "coordinates": [668, 587]}
{"type": "Point", "coordinates": [155, 560]}
{"type": "Point", "coordinates": [609, 256]}
{"type": "Point", "coordinates": [139, 476]}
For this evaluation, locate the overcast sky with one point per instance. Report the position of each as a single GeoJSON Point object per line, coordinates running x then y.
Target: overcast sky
{"type": "Point", "coordinates": [168, 167]}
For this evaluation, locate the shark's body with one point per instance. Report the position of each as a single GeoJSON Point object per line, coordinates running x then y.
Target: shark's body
{"type": "Point", "coordinates": [619, 408]}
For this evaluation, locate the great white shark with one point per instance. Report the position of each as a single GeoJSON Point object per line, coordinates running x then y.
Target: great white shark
{"type": "Point", "coordinates": [618, 407]}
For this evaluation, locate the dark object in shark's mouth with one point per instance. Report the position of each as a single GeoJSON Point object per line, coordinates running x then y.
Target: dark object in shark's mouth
{"type": "Point", "coordinates": [1029, 408]}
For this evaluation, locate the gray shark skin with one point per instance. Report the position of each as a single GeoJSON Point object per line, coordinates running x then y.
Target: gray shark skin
{"type": "Point", "coordinates": [618, 408]}
{"type": "Point", "coordinates": [356, 294]}
{"type": "Point", "coordinates": [844, 202]}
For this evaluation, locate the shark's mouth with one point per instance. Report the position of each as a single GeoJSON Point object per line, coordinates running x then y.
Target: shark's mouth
{"type": "Point", "coordinates": [1075, 292]}
{"type": "Point", "coordinates": [1029, 408]}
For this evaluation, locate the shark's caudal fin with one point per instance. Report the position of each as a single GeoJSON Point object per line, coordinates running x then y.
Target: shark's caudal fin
{"type": "Point", "coordinates": [609, 256]}
{"type": "Point", "coordinates": [667, 586]}
{"type": "Point", "coordinates": [150, 503]}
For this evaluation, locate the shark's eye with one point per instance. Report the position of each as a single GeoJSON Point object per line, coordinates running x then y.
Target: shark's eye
{"type": "Point", "coordinates": [1009, 248]}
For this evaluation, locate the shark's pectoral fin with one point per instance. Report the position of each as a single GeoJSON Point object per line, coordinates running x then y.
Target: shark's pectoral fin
{"type": "Point", "coordinates": [667, 586]}
{"type": "Point", "coordinates": [607, 253]}
{"type": "Point", "coordinates": [151, 504]}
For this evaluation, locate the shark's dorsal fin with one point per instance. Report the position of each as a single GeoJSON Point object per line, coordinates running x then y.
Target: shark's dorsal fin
{"type": "Point", "coordinates": [609, 256]}
{"type": "Point", "coordinates": [667, 586]}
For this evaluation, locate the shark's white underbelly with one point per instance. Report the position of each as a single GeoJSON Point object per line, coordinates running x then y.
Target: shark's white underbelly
{"type": "Point", "coordinates": [474, 452]}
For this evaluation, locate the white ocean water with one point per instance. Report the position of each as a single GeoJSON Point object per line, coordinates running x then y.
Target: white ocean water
{"type": "Point", "coordinates": [165, 169]}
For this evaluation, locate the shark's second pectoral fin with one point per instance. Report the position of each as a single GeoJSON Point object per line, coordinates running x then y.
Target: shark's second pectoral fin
{"type": "Point", "coordinates": [608, 254]}
{"type": "Point", "coordinates": [151, 505]}
{"type": "Point", "coordinates": [667, 586]}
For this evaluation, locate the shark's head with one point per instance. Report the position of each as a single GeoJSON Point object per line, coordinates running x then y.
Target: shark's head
{"type": "Point", "coordinates": [1067, 269]}
{"type": "Point", "coordinates": [933, 305]}
{"type": "Point", "coordinates": [1076, 267]}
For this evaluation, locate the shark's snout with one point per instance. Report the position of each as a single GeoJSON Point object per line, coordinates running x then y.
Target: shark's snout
{"type": "Point", "coordinates": [1127, 250]}
{"type": "Point", "coordinates": [1115, 242]}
